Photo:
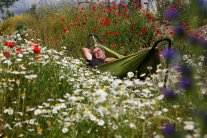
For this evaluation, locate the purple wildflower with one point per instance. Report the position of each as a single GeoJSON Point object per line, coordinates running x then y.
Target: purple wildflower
{"type": "Point", "coordinates": [186, 82]}
{"type": "Point", "coordinates": [205, 120]}
{"type": "Point", "coordinates": [171, 13]}
{"type": "Point", "coordinates": [179, 30]}
{"type": "Point", "coordinates": [185, 70]}
{"type": "Point", "coordinates": [168, 53]}
{"type": "Point", "coordinates": [169, 94]}
{"type": "Point", "coordinates": [169, 130]}
{"type": "Point", "coordinates": [203, 6]}
{"type": "Point", "coordinates": [203, 3]}
{"type": "Point", "coordinates": [192, 39]}
{"type": "Point", "coordinates": [203, 42]}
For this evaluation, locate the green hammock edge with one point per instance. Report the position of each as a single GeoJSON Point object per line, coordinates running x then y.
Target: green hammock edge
{"type": "Point", "coordinates": [111, 53]}
{"type": "Point", "coordinates": [130, 63]}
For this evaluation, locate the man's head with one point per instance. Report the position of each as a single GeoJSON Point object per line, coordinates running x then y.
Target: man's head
{"type": "Point", "coordinates": [98, 52]}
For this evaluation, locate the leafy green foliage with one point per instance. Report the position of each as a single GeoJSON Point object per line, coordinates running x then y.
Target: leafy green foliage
{"type": "Point", "coordinates": [5, 4]}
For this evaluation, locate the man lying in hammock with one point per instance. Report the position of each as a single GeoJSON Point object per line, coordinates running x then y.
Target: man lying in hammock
{"type": "Point", "coordinates": [96, 56]}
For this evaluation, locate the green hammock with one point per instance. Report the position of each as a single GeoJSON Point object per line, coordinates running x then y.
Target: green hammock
{"type": "Point", "coordinates": [137, 62]}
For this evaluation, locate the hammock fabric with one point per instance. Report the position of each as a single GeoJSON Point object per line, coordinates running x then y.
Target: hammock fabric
{"type": "Point", "coordinates": [137, 62]}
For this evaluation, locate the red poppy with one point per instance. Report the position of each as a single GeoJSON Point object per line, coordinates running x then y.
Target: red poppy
{"type": "Point", "coordinates": [149, 16]}
{"type": "Point", "coordinates": [126, 11]}
{"type": "Point", "coordinates": [116, 33]}
{"type": "Point", "coordinates": [118, 13]}
{"type": "Point", "coordinates": [171, 33]}
{"type": "Point", "coordinates": [143, 31]}
{"type": "Point", "coordinates": [103, 41]}
{"type": "Point", "coordinates": [133, 25]}
{"type": "Point", "coordinates": [138, 6]}
{"type": "Point", "coordinates": [105, 21]}
{"type": "Point", "coordinates": [36, 49]}
{"type": "Point", "coordinates": [157, 32]}
{"type": "Point", "coordinates": [107, 11]}
{"type": "Point", "coordinates": [145, 2]}
{"type": "Point", "coordinates": [135, 1]}
{"type": "Point", "coordinates": [107, 32]}
{"type": "Point", "coordinates": [9, 44]}
{"type": "Point", "coordinates": [94, 8]}
{"type": "Point", "coordinates": [18, 50]}
{"type": "Point", "coordinates": [66, 31]}
{"type": "Point", "coordinates": [6, 54]}
{"type": "Point", "coordinates": [123, 5]}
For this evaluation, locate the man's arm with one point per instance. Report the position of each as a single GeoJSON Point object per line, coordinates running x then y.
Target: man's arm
{"type": "Point", "coordinates": [87, 53]}
{"type": "Point", "coordinates": [109, 59]}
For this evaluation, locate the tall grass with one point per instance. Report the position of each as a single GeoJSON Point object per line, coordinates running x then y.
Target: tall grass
{"type": "Point", "coordinates": [49, 94]}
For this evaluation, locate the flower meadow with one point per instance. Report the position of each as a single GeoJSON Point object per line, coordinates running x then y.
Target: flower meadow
{"type": "Point", "coordinates": [47, 92]}
{"type": "Point", "coordinates": [120, 28]}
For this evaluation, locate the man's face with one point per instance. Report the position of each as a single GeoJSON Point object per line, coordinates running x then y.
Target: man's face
{"type": "Point", "coordinates": [98, 53]}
